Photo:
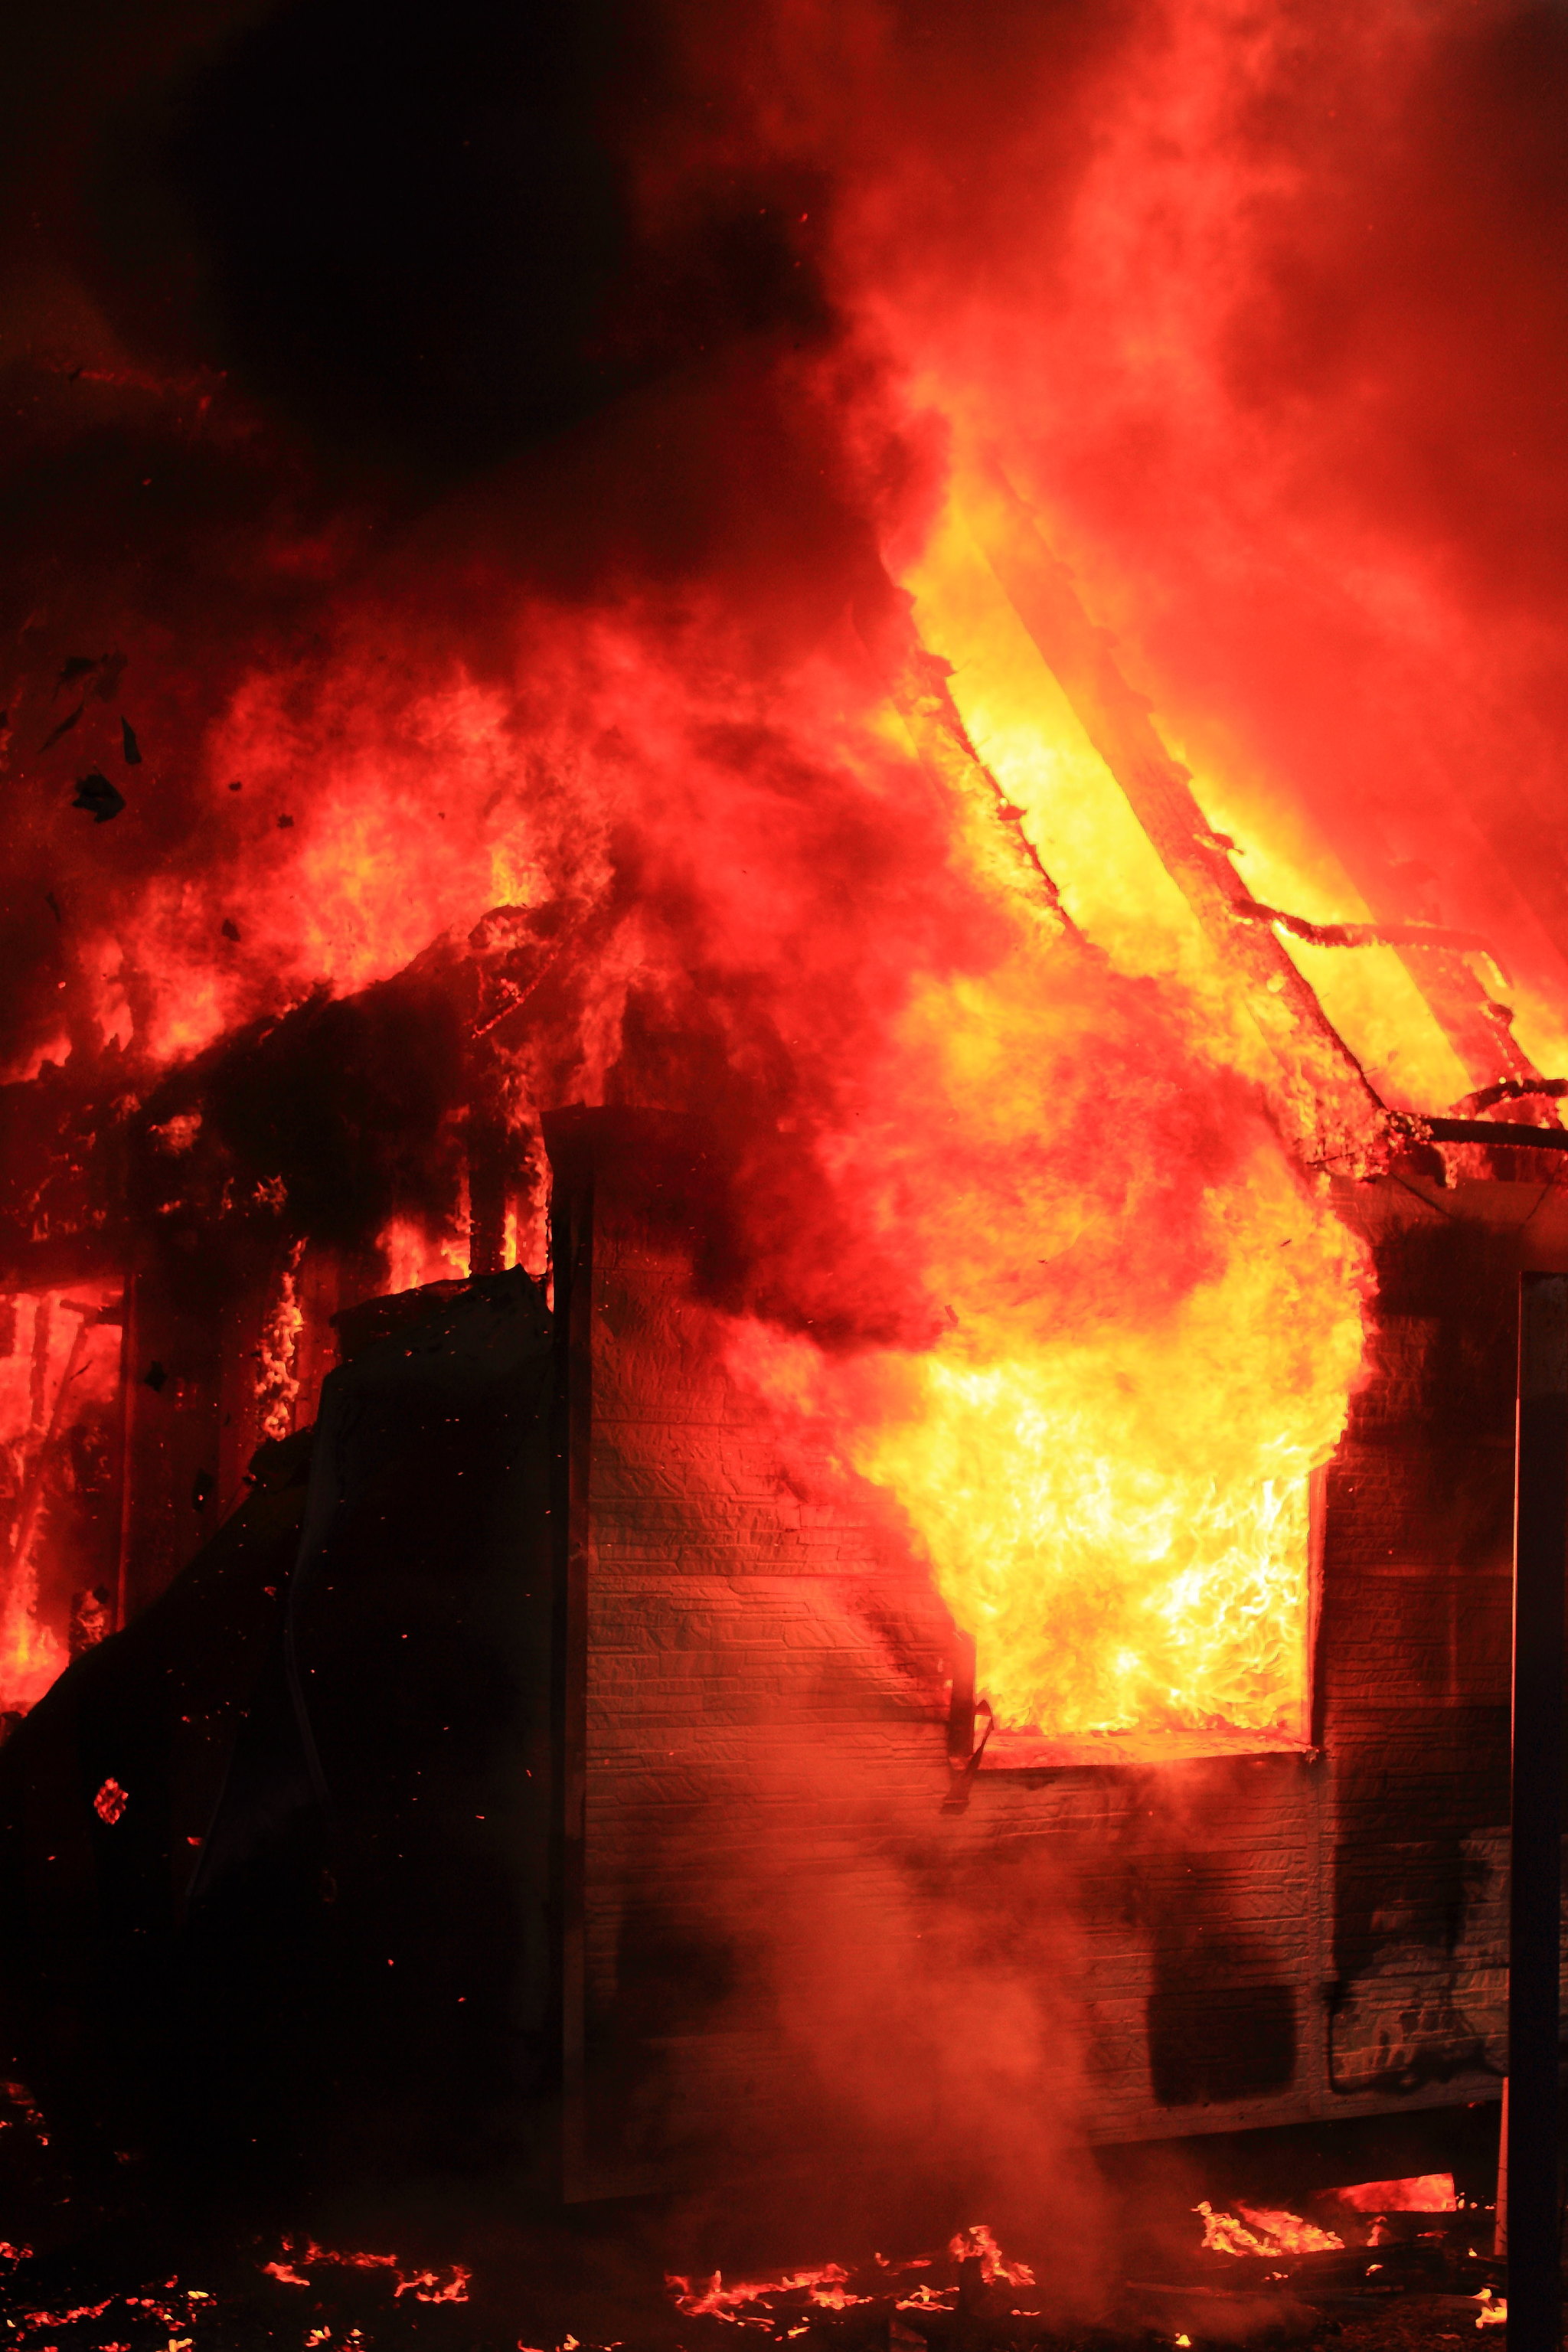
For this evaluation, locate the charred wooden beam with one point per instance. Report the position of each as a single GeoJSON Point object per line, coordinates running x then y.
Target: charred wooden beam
{"type": "Point", "coordinates": [489, 1156]}
{"type": "Point", "coordinates": [1477, 1028]}
{"type": "Point", "coordinates": [1491, 1132]}
{"type": "Point", "coordinates": [1368, 935]}
{"type": "Point", "coordinates": [917, 682]}
{"type": "Point", "coordinates": [1511, 1090]}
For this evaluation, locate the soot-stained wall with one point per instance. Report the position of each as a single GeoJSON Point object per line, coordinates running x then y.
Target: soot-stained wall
{"type": "Point", "coordinates": [776, 1913]}
{"type": "Point", "coordinates": [1414, 1649]}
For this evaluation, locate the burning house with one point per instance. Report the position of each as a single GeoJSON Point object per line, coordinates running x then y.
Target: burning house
{"type": "Point", "coordinates": [758, 1306]}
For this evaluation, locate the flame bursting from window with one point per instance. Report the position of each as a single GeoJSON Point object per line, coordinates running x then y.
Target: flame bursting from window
{"type": "Point", "coordinates": [1148, 1329]}
{"type": "Point", "coordinates": [1112, 1487]}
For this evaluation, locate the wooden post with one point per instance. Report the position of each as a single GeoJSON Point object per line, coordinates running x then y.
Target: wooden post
{"type": "Point", "coordinates": [1539, 1575]}
{"type": "Point", "coordinates": [489, 1158]}
{"type": "Point", "coordinates": [571, 1267]}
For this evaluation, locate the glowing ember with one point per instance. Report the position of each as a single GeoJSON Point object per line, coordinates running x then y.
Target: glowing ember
{"type": "Point", "coordinates": [425, 2285]}
{"type": "Point", "coordinates": [110, 1801]}
{"type": "Point", "coordinates": [1493, 2312]}
{"type": "Point", "coordinates": [1256, 2230]}
{"type": "Point", "coordinates": [1421, 2192]}
{"type": "Point", "coordinates": [826, 2287]}
{"type": "Point", "coordinates": [751, 2303]}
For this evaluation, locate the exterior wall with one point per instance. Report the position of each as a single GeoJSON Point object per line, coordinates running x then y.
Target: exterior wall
{"type": "Point", "coordinates": [757, 1717]}
{"type": "Point", "coordinates": [1414, 1663]}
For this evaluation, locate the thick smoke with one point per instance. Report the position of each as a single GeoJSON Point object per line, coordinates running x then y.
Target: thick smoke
{"type": "Point", "coordinates": [1264, 310]}
{"type": "Point", "coordinates": [926, 2001]}
{"type": "Point", "coordinates": [308, 326]}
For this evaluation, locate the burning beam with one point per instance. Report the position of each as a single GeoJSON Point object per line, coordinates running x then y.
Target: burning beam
{"type": "Point", "coordinates": [1328, 1105]}
{"type": "Point", "coordinates": [1326, 1102]}
{"type": "Point", "coordinates": [1158, 788]}
{"type": "Point", "coordinates": [1369, 935]}
{"type": "Point", "coordinates": [917, 681]}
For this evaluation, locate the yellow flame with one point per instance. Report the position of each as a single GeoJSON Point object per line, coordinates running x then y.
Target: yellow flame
{"type": "Point", "coordinates": [1256, 2229]}
{"type": "Point", "coordinates": [1119, 1516]}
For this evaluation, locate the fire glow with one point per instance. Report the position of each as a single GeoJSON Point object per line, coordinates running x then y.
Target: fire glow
{"type": "Point", "coordinates": [1126, 1540]}
{"type": "Point", "coordinates": [1066, 1284]}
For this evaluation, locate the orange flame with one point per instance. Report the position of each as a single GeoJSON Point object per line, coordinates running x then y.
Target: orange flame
{"type": "Point", "coordinates": [1252, 2229]}
{"type": "Point", "coordinates": [1105, 1468]}
{"type": "Point", "coordinates": [1135, 1326]}
{"type": "Point", "coordinates": [826, 2287]}
{"type": "Point", "coordinates": [277, 1382]}
{"type": "Point", "coordinates": [977, 2244]}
